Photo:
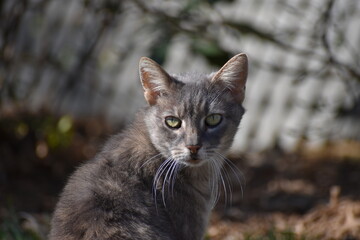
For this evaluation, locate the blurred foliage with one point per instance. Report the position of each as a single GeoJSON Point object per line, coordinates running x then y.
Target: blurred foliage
{"type": "Point", "coordinates": [50, 132]}
{"type": "Point", "coordinates": [211, 50]}
{"type": "Point", "coordinates": [158, 51]}
{"type": "Point", "coordinates": [73, 49]}
{"type": "Point", "coordinates": [12, 229]}
{"type": "Point", "coordinates": [107, 6]}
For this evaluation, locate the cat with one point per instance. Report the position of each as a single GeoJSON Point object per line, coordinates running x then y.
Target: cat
{"type": "Point", "coordinates": [159, 178]}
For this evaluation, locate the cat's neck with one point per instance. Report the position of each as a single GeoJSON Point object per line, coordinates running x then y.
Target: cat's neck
{"type": "Point", "coordinates": [132, 148]}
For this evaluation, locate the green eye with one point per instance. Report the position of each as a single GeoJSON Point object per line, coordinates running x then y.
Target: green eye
{"type": "Point", "coordinates": [213, 120]}
{"type": "Point", "coordinates": [173, 122]}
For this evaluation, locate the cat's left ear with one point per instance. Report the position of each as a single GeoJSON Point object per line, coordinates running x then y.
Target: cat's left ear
{"type": "Point", "coordinates": [233, 76]}
{"type": "Point", "coordinates": [154, 79]}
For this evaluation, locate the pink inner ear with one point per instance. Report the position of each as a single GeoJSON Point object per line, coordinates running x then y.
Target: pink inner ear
{"type": "Point", "coordinates": [150, 97]}
{"type": "Point", "coordinates": [233, 76]}
{"type": "Point", "coordinates": [149, 93]}
{"type": "Point", "coordinates": [153, 78]}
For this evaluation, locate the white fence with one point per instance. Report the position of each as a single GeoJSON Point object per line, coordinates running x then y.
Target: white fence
{"type": "Point", "coordinates": [298, 80]}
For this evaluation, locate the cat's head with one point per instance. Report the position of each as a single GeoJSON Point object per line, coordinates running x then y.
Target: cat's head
{"type": "Point", "coordinates": [192, 118]}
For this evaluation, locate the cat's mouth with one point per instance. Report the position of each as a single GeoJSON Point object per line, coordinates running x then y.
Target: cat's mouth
{"type": "Point", "coordinates": [189, 159]}
{"type": "Point", "coordinates": [192, 161]}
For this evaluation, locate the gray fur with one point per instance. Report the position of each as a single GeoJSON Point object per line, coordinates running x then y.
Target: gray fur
{"type": "Point", "coordinates": [145, 183]}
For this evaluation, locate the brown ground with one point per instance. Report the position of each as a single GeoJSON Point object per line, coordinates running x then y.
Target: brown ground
{"type": "Point", "coordinates": [286, 196]}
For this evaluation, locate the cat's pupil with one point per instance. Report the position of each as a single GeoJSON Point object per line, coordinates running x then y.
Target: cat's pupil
{"type": "Point", "coordinates": [213, 120]}
{"type": "Point", "coordinates": [173, 122]}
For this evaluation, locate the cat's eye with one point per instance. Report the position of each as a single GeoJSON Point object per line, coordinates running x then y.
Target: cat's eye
{"type": "Point", "coordinates": [173, 122]}
{"type": "Point", "coordinates": [213, 120]}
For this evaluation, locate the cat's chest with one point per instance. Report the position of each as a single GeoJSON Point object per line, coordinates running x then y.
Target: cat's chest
{"type": "Point", "coordinates": [189, 213]}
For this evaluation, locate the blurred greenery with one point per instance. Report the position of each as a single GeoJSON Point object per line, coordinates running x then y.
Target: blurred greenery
{"type": "Point", "coordinates": [49, 132]}
{"type": "Point", "coordinates": [211, 50]}
{"type": "Point", "coordinates": [74, 52]}
{"type": "Point", "coordinates": [12, 229]}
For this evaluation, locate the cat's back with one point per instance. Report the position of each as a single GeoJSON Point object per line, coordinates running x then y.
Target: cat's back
{"type": "Point", "coordinates": [106, 199]}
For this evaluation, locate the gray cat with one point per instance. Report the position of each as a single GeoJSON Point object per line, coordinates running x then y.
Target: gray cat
{"type": "Point", "coordinates": [159, 179]}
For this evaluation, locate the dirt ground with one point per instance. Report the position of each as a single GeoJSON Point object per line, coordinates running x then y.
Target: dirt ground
{"type": "Point", "coordinates": [303, 195]}
{"type": "Point", "coordinates": [294, 198]}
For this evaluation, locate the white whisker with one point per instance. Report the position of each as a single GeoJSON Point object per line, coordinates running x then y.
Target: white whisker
{"type": "Point", "coordinates": [214, 184]}
{"type": "Point", "coordinates": [174, 173]}
{"type": "Point", "coordinates": [235, 170]}
{"type": "Point", "coordinates": [157, 178]}
{"type": "Point", "coordinates": [150, 159]}
{"type": "Point", "coordinates": [224, 186]}
{"type": "Point", "coordinates": [167, 180]}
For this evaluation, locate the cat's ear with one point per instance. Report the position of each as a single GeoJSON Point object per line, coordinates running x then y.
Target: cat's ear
{"type": "Point", "coordinates": [154, 79]}
{"type": "Point", "coordinates": [233, 76]}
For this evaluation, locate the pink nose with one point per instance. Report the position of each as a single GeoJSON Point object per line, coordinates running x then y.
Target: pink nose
{"type": "Point", "coordinates": [193, 148]}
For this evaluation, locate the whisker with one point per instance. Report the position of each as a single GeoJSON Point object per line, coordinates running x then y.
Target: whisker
{"type": "Point", "coordinates": [175, 171]}
{"type": "Point", "coordinates": [223, 185]}
{"type": "Point", "coordinates": [228, 186]}
{"type": "Point", "coordinates": [222, 181]}
{"type": "Point", "coordinates": [167, 180]}
{"type": "Point", "coordinates": [235, 170]}
{"type": "Point", "coordinates": [214, 184]}
{"type": "Point", "coordinates": [159, 172]}
{"type": "Point", "coordinates": [149, 160]}
{"type": "Point", "coordinates": [162, 168]}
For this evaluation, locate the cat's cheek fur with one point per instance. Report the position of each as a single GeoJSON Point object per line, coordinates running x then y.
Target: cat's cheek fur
{"type": "Point", "coordinates": [226, 136]}
{"type": "Point", "coordinates": [161, 136]}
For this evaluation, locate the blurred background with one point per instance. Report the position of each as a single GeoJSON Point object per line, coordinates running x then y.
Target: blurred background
{"type": "Point", "coordinates": [69, 79]}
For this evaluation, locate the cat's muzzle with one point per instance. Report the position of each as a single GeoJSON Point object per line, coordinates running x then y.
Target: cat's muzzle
{"type": "Point", "coordinates": [194, 158]}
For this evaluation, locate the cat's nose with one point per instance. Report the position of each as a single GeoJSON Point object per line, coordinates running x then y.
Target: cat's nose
{"type": "Point", "coordinates": [194, 148]}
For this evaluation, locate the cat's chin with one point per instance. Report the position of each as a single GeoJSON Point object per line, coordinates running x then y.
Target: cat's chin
{"type": "Point", "coordinates": [191, 162]}
{"type": "Point", "coordinates": [188, 160]}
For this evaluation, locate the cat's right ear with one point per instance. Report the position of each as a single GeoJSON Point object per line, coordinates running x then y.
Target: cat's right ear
{"type": "Point", "coordinates": [233, 76]}
{"type": "Point", "coordinates": [154, 79]}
